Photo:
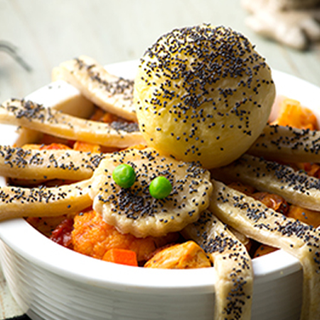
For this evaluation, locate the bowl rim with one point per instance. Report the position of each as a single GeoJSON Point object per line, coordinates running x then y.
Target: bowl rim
{"type": "Point", "coordinates": [25, 241]}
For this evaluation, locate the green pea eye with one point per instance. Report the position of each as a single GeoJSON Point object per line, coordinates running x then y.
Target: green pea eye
{"type": "Point", "coordinates": [160, 187]}
{"type": "Point", "coordinates": [124, 176]}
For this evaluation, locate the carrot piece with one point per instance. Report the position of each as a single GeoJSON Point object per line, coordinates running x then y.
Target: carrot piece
{"type": "Point", "coordinates": [55, 146]}
{"type": "Point", "coordinates": [304, 215]}
{"type": "Point", "coordinates": [109, 118]}
{"type": "Point", "coordinates": [121, 256]}
{"type": "Point", "coordinates": [137, 146]}
{"type": "Point", "coordinates": [93, 237]}
{"type": "Point", "coordinates": [273, 201]}
{"type": "Point", "coordinates": [313, 170]}
{"type": "Point", "coordinates": [97, 115]}
{"type": "Point", "coordinates": [103, 116]}
{"type": "Point", "coordinates": [246, 189]}
{"type": "Point", "coordinates": [294, 115]}
{"type": "Point", "coordinates": [263, 250]}
{"type": "Point", "coordinates": [48, 139]}
{"type": "Point", "coordinates": [86, 147]}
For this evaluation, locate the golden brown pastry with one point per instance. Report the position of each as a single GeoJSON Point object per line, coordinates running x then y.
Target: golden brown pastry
{"type": "Point", "coordinates": [47, 120]}
{"type": "Point", "coordinates": [133, 210]}
{"type": "Point", "coordinates": [232, 266]}
{"type": "Point", "coordinates": [263, 224]}
{"type": "Point", "coordinates": [294, 186]}
{"type": "Point", "coordinates": [203, 94]}
{"type": "Point", "coordinates": [19, 202]}
{"type": "Point", "coordinates": [47, 164]}
{"type": "Point", "coordinates": [287, 144]}
{"type": "Point", "coordinates": [109, 92]}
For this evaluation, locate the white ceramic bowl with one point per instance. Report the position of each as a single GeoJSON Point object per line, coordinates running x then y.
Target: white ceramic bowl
{"type": "Point", "coordinates": [52, 282]}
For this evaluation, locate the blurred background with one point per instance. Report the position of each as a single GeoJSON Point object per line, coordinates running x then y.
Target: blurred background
{"type": "Point", "coordinates": [45, 33]}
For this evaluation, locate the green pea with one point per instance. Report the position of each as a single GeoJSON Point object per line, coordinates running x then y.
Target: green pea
{"type": "Point", "coordinates": [160, 187]}
{"type": "Point", "coordinates": [124, 176]}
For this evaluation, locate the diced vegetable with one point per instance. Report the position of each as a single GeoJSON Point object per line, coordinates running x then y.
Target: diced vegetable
{"type": "Point", "coordinates": [97, 114]}
{"type": "Point", "coordinates": [93, 237]}
{"type": "Point", "coordinates": [124, 175]}
{"type": "Point", "coordinates": [160, 187]}
{"type": "Point", "coordinates": [273, 201]}
{"type": "Point", "coordinates": [263, 250]}
{"type": "Point", "coordinates": [87, 147]}
{"type": "Point", "coordinates": [55, 146]}
{"type": "Point", "coordinates": [293, 114]}
{"type": "Point", "coordinates": [304, 215]}
{"type": "Point", "coordinates": [109, 118]}
{"type": "Point", "coordinates": [48, 139]}
{"type": "Point", "coordinates": [312, 169]}
{"type": "Point", "coordinates": [121, 256]}
{"type": "Point", "coordinates": [186, 255]}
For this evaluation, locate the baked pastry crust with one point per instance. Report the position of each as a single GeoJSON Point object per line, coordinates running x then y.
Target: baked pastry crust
{"type": "Point", "coordinates": [37, 164]}
{"type": "Point", "coordinates": [134, 210]}
{"type": "Point", "coordinates": [109, 92]}
{"type": "Point", "coordinates": [287, 144]}
{"type": "Point", "coordinates": [295, 187]}
{"type": "Point", "coordinates": [233, 270]}
{"type": "Point", "coordinates": [263, 224]}
{"type": "Point", "coordinates": [203, 94]}
{"type": "Point", "coordinates": [19, 202]}
{"type": "Point", "coordinates": [47, 120]}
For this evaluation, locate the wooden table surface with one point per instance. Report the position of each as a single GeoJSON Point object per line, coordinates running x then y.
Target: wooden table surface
{"type": "Point", "coordinates": [45, 33]}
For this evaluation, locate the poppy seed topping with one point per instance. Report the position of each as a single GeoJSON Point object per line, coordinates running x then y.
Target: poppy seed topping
{"type": "Point", "coordinates": [134, 210]}
{"type": "Point", "coordinates": [203, 94]}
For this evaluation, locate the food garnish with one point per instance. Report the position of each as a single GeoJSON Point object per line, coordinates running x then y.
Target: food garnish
{"type": "Point", "coordinates": [121, 256]}
{"type": "Point", "coordinates": [124, 175]}
{"type": "Point", "coordinates": [160, 187]}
